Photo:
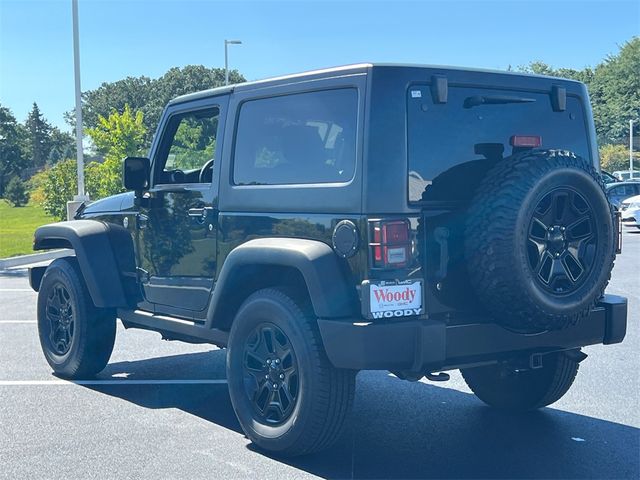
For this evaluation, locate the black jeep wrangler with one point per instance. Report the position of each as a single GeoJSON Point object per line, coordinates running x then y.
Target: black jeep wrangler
{"type": "Point", "coordinates": [403, 218]}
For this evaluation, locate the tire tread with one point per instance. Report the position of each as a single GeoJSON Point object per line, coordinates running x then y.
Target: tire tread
{"type": "Point", "coordinates": [489, 229]}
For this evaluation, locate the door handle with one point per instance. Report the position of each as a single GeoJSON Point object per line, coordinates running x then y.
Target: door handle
{"type": "Point", "coordinates": [197, 212]}
{"type": "Point", "coordinates": [200, 213]}
{"type": "Point", "coordinates": [141, 221]}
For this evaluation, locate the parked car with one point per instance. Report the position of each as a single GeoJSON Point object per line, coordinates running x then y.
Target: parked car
{"type": "Point", "coordinates": [630, 212]}
{"type": "Point", "coordinates": [368, 217]}
{"type": "Point", "coordinates": [617, 192]}
{"type": "Point", "coordinates": [624, 175]}
{"type": "Point", "coordinates": [608, 178]}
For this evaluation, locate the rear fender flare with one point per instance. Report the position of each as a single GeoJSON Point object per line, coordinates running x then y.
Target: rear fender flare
{"type": "Point", "coordinates": [326, 275]}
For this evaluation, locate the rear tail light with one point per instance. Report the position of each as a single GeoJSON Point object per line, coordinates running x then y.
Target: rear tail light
{"type": "Point", "coordinates": [526, 141]}
{"type": "Point", "coordinates": [391, 245]}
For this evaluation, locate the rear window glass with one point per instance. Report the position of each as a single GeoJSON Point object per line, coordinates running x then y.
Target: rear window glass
{"type": "Point", "coordinates": [449, 144]}
{"type": "Point", "coordinates": [294, 139]}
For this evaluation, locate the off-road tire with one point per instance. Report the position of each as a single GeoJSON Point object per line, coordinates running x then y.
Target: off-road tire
{"type": "Point", "coordinates": [325, 394]}
{"type": "Point", "coordinates": [94, 329]}
{"type": "Point", "coordinates": [503, 387]}
{"type": "Point", "coordinates": [497, 237]}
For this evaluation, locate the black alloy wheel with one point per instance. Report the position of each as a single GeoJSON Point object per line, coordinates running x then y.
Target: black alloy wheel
{"type": "Point", "coordinates": [289, 399]}
{"type": "Point", "coordinates": [540, 240]}
{"type": "Point", "coordinates": [562, 241]}
{"type": "Point", "coordinates": [270, 372]}
{"type": "Point", "coordinates": [76, 337]}
{"type": "Point", "coordinates": [60, 319]}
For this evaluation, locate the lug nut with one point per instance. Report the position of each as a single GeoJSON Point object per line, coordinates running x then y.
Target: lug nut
{"type": "Point", "coordinates": [562, 229]}
{"type": "Point", "coordinates": [277, 361]}
{"type": "Point", "coordinates": [282, 376]}
{"type": "Point", "coordinates": [557, 255]}
{"type": "Point", "coordinates": [275, 385]}
{"type": "Point", "coordinates": [551, 229]}
{"type": "Point", "coordinates": [268, 362]}
{"type": "Point", "coordinates": [266, 377]}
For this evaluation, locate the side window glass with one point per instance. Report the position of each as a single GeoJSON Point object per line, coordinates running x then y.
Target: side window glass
{"type": "Point", "coordinates": [188, 149]}
{"type": "Point", "coordinates": [297, 139]}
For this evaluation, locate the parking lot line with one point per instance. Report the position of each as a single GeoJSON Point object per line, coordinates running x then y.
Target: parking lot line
{"type": "Point", "coordinates": [7, 383]}
{"type": "Point", "coordinates": [18, 321]}
{"type": "Point", "coordinates": [17, 290]}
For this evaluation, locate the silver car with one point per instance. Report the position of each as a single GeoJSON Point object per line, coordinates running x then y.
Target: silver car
{"type": "Point", "coordinates": [630, 212]}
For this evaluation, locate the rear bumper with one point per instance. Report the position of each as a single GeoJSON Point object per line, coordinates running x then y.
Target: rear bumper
{"type": "Point", "coordinates": [431, 345]}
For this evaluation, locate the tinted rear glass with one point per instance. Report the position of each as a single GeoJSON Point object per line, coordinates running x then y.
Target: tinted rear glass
{"type": "Point", "coordinates": [448, 143]}
{"type": "Point", "coordinates": [300, 138]}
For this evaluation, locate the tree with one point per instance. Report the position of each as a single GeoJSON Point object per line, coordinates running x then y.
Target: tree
{"type": "Point", "coordinates": [63, 145]}
{"type": "Point", "coordinates": [541, 68]}
{"type": "Point", "coordinates": [38, 142]}
{"type": "Point", "coordinates": [615, 91]}
{"type": "Point", "coordinates": [11, 156]}
{"type": "Point", "coordinates": [133, 91]}
{"type": "Point", "coordinates": [116, 136]}
{"type": "Point", "coordinates": [16, 192]}
{"type": "Point", "coordinates": [149, 95]}
{"type": "Point", "coordinates": [614, 88]}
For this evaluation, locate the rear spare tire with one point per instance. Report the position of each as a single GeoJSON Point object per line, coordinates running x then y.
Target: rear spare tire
{"type": "Point", "coordinates": [540, 240]}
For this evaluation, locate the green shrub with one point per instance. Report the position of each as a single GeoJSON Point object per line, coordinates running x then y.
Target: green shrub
{"type": "Point", "coordinates": [616, 157]}
{"type": "Point", "coordinates": [59, 186]}
{"type": "Point", "coordinates": [35, 185]}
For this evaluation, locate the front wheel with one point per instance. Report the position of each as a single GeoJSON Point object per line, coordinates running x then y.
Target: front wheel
{"type": "Point", "coordinates": [287, 396]}
{"type": "Point", "coordinates": [505, 387]}
{"type": "Point", "coordinates": [76, 337]}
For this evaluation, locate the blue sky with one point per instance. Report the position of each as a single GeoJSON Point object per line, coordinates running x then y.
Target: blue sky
{"type": "Point", "coordinates": [121, 38]}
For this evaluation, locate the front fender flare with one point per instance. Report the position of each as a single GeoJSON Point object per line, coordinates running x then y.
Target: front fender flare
{"type": "Point", "coordinates": [95, 244]}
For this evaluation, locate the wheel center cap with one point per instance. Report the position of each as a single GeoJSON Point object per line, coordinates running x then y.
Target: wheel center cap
{"type": "Point", "coordinates": [275, 369]}
{"type": "Point", "coordinates": [556, 239]}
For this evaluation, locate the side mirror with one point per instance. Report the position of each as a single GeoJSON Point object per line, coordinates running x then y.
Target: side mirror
{"type": "Point", "coordinates": [136, 173]}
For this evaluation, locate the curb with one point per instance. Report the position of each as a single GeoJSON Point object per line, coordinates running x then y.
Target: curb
{"type": "Point", "coordinates": [33, 258]}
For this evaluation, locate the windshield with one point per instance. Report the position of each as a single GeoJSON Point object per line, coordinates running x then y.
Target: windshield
{"type": "Point", "coordinates": [450, 144]}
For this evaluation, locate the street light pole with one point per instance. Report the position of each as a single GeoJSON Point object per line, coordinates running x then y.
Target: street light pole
{"type": "Point", "coordinates": [72, 206]}
{"type": "Point", "coordinates": [631, 149]}
{"type": "Point", "coordinates": [226, 58]}
{"type": "Point", "coordinates": [76, 65]}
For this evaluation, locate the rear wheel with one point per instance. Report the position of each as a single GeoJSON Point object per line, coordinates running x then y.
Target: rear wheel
{"type": "Point", "coordinates": [288, 398]}
{"type": "Point", "coordinates": [505, 387]}
{"type": "Point", "coordinates": [76, 337]}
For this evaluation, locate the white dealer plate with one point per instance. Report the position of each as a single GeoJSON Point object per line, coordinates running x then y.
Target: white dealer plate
{"type": "Point", "coordinates": [395, 299]}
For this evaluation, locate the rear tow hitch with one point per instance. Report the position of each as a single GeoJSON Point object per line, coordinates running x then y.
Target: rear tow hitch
{"type": "Point", "coordinates": [414, 377]}
{"type": "Point", "coordinates": [437, 377]}
{"type": "Point", "coordinates": [536, 360]}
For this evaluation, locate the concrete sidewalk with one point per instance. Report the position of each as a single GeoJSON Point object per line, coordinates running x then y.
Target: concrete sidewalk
{"type": "Point", "coordinates": [33, 258]}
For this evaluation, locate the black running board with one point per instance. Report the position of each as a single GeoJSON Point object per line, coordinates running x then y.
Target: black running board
{"type": "Point", "coordinates": [172, 328]}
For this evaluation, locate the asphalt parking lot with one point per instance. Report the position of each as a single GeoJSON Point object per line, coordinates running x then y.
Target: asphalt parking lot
{"type": "Point", "coordinates": [161, 410]}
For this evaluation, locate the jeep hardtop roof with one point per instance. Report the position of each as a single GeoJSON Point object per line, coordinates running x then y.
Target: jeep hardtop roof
{"type": "Point", "coordinates": [523, 80]}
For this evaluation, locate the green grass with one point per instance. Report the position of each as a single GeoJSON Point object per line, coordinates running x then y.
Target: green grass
{"type": "Point", "coordinates": [17, 225]}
